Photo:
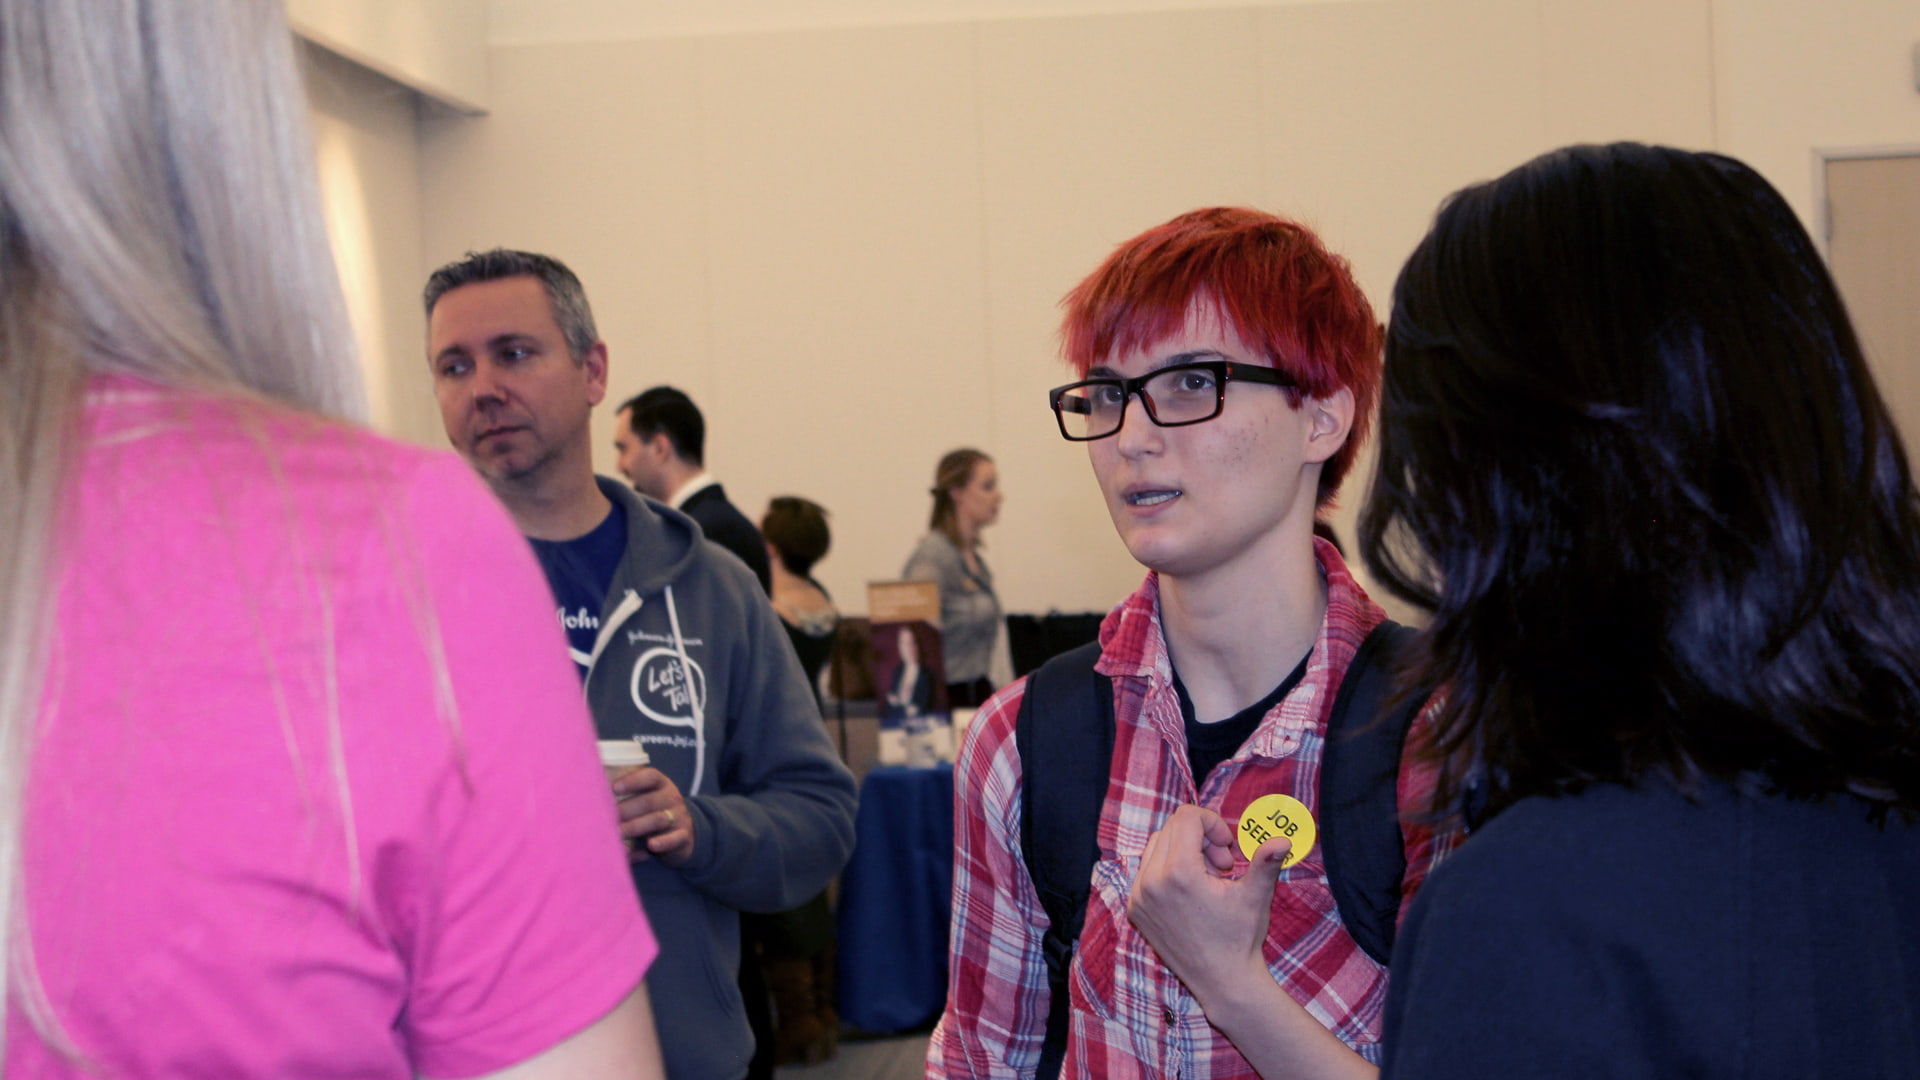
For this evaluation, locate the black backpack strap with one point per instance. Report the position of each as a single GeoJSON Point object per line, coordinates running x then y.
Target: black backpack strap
{"type": "Point", "coordinates": [1064, 736]}
{"type": "Point", "coordinates": [1360, 834]}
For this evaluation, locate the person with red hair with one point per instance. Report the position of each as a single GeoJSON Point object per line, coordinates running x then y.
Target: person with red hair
{"type": "Point", "coordinates": [1255, 361]}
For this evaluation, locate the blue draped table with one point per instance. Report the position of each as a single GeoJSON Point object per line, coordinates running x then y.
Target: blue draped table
{"type": "Point", "coordinates": [896, 900]}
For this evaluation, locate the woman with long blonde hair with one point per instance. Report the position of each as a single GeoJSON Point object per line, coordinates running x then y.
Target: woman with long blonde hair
{"type": "Point", "coordinates": [270, 802]}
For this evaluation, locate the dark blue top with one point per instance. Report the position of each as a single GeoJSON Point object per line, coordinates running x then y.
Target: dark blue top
{"type": "Point", "coordinates": [1633, 934]}
{"type": "Point", "coordinates": [579, 572]}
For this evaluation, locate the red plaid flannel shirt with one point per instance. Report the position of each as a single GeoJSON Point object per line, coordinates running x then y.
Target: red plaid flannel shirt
{"type": "Point", "coordinates": [1131, 1016]}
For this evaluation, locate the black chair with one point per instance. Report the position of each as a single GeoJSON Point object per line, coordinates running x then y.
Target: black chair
{"type": "Point", "coordinates": [1035, 639]}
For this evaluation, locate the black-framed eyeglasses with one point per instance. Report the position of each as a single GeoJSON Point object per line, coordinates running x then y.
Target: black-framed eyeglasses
{"type": "Point", "coordinates": [1175, 396]}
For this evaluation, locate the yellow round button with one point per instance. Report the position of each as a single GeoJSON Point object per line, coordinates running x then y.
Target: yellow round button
{"type": "Point", "coordinates": [1277, 815]}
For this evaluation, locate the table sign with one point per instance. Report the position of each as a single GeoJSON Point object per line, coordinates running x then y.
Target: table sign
{"type": "Point", "coordinates": [916, 725]}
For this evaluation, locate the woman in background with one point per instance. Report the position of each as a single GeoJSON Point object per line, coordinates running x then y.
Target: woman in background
{"type": "Point", "coordinates": [966, 499]}
{"type": "Point", "coordinates": [267, 789]}
{"type": "Point", "coordinates": [795, 949]}
{"type": "Point", "coordinates": [1634, 464]}
{"type": "Point", "coordinates": [797, 539]}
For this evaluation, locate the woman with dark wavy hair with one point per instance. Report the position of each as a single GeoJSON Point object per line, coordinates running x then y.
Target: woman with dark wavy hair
{"type": "Point", "coordinates": [1634, 463]}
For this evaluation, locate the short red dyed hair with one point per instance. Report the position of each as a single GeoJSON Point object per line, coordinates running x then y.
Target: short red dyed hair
{"type": "Point", "coordinates": [1274, 282]}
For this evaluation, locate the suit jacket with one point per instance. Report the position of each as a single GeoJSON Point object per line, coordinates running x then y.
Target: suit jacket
{"type": "Point", "coordinates": [729, 528]}
{"type": "Point", "coordinates": [914, 700]}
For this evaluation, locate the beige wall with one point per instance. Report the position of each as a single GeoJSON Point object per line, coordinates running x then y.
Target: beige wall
{"type": "Point", "coordinates": [366, 142]}
{"type": "Point", "coordinates": [847, 243]}
{"type": "Point", "coordinates": [1795, 76]}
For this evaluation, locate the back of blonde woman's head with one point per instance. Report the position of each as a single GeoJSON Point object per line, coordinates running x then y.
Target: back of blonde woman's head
{"type": "Point", "coordinates": [158, 209]}
{"type": "Point", "coordinates": [159, 218]}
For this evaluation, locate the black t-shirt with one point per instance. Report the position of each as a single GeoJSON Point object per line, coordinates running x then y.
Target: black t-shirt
{"type": "Point", "coordinates": [580, 571]}
{"type": "Point", "coordinates": [1640, 934]}
{"type": "Point", "coordinates": [1210, 744]}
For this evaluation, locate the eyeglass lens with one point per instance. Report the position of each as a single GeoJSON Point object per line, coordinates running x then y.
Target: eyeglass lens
{"type": "Point", "coordinates": [1176, 395]}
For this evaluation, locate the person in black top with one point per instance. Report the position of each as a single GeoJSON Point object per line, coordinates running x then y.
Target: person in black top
{"type": "Point", "coordinates": [1635, 466]}
{"type": "Point", "coordinates": [797, 947]}
{"type": "Point", "coordinates": [797, 538]}
{"type": "Point", "coordinates": [661, 439]}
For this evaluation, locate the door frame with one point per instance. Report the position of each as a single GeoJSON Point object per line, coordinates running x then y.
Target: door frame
{"type": "Point", "coordinates": [1822, 155]}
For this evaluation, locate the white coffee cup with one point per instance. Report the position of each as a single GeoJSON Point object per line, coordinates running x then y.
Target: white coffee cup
{"type": "Point", "coordinates": [622, 756]}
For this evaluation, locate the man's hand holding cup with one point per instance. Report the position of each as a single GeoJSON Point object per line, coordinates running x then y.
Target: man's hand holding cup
{"type": "Point", "coordinates": [653, 813]}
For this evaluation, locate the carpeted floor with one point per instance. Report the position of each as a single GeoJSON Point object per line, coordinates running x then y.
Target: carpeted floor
{"type": "Point", "coordinates": [902, 1057]}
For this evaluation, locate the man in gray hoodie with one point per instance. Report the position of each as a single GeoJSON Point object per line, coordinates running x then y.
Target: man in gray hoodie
{"type": "Point", "coordinates": [745, 806]}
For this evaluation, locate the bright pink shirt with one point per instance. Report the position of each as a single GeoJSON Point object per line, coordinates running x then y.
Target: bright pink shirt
{"type": "Point", "coordinates": [264, 837]}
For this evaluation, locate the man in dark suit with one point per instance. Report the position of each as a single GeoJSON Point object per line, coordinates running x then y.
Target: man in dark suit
{"type": "Point", "coordinates": [662, 438]}
{"type": "Point", "coordinates": [662, 441]}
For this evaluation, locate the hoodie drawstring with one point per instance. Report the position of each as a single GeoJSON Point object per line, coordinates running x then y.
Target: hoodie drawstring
{"type": "Point", "coordinates": [693, 697]}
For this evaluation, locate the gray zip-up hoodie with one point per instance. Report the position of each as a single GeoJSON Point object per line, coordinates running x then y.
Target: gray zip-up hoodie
{"type": "Point", "coordinates": [692, 659]}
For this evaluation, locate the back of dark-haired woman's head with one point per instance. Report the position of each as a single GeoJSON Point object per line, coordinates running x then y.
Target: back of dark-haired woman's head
{"type": "Point", "coordinates": [797, 529]}
{"type": "Point", "coordinates": [1634, 463]}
